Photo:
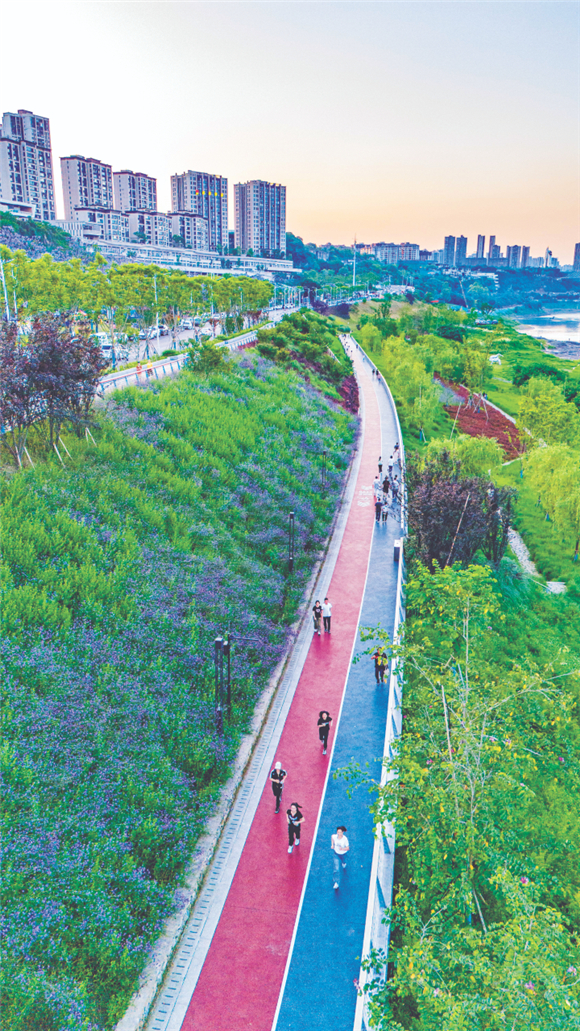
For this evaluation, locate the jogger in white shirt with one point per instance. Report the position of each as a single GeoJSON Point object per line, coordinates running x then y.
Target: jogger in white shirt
{"type": "Point", "coordinates": [340, 846]}
{"type": "Point", "coordinates": [326, 615]}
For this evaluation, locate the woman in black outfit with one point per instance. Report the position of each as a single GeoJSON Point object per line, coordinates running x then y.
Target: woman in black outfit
{"type": "Point", "coordinates": [317, 616]}
{"type": "Point", "coordinates": [295, 818]}
{"type": "Point", "coordinates": [324, 721]}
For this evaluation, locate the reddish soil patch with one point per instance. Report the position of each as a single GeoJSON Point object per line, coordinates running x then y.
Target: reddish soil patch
{"type": "Point", "coordinates": [479, 419]}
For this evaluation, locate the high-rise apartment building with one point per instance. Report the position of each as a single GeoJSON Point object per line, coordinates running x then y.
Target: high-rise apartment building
{"type": "Point", "coordinates": [260, 217]}
{"type": "Point", "coordinates": [449, 250]}
{"type": "Point", "coordinates": [525, 259]}
{"type": "Point", "coordinates": [480, 253]}
{"type": "Point", "coordinates": [513, 256]}
{"type": "Point", "coordinates": [490, 249]}
{"type": "Point", "coordinates": [150, 227]}
{"type": "Point", "coordinates": [26, 174]}
{"type": "Point", "coordinates": [461, 250]}
{"type": "Point", "coordinates": [577, 257]}
{"type": "Point", "coordinates": [86, 183]}
{"type": "Point", "coordinates": [206, 195]}
{"type": "Point", "coordinates": [107, 223]}
{"type": "Point", "coordinates": [408, 252]}
{"type": "Point", "coordinates": [134, 191]}
{"type": "Point", "coordinates": [191, 229]}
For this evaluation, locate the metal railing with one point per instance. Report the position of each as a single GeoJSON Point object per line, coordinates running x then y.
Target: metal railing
{"type": "Point", "coordinates": [377, 927]}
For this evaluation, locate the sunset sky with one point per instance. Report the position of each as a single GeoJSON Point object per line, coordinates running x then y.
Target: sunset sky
{"type": "Point", "coordinates": [391, 121]}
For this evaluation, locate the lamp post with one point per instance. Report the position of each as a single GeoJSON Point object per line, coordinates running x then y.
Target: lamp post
{"type": "Point", "coordinates": [291, 542]}
{"type": "Point", "coordinates": [219, 684]}
{"type": "Point", "coordinates": [227, 651]}
{"type": "Point", "coordinates": [324, 469]}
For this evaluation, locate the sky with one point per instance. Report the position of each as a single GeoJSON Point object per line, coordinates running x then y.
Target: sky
{"type": "Point", "coordinates": [386, 121]}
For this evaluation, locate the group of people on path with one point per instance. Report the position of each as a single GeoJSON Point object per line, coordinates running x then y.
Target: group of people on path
{"type": "Point", "coordinates": [387, 490]}
{"type": "Point", "coordinates": [294, 815]}
{"type": "Point", "coordinates": [322, 613]}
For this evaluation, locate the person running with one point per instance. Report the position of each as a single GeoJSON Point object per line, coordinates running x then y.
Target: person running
{"type": "Point", "coordinates": [340, 846]}
{"type": "Point", "coordinates": [324, 721]}
{"type": "Point", "coordinates": [277, 778]}
{"type": "Point", "coordinates": [326, 615]}
{"type": "Point", "coordinates": [317, 616]}
{"type": "Point", "coordinates": [380, 665]}
{"type": "Point", "coordinates": [295, 818]}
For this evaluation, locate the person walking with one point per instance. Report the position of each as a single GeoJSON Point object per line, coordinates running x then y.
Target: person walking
{"type": "Point", "coordinates": [326, 615]}
{"type": "Point", "coordinates": [149, 370]}
{"type": "Point", "coordinates": [317, 616]}
{"type": "Point", "coordinates": [277, 778]}
{"type": "Point", "coordinates": [380, 665]}
{"type": "Point", "coordinates": [340, 846]}
{"type": "Point", "coordinates": [378, 508]}
{"type": "Point", "coordinates": [295, 819]}
{"type": "Point", "coordinates": [384, 512]}
{"type": "Point", "coordinates": [380, 466]}
{"type": "Point", "coordinates": [376, 486]}
{"type": "Point", "coordinates": [324, 721]}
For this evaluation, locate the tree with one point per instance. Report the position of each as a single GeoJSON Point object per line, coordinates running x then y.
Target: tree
{"type": "Point", "coordinates": [476, 455]}
{"type": "Point", "coordinates": [554, 473]}
{"type": "Point", "coordinates": [545, 414]}
{"type": "Point", "coordinates": [19, 395]}
{"type": "Point", "coordinates": [447, 517]}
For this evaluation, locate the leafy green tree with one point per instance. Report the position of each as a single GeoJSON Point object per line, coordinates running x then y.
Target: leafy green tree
{"type": "Point", "coordinates": [554, 472]}
{"type": "Point", "coordinates": [545, 414]}
{"type": "Point", "coordinates": [476, 455]}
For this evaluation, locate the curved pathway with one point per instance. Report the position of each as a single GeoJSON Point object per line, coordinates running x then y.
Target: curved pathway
{"type": "Point", "coordinates": [278, 946]}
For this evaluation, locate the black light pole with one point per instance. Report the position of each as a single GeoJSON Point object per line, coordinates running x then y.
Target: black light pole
{"type": "Point", "coordinates": [227, 649]}
{"type": "Point", "coordinates": [219, 684]}
{"type": "Point", "coordinates": [291, 542]}
{"type": "Point", "coordinates": [324, 469]}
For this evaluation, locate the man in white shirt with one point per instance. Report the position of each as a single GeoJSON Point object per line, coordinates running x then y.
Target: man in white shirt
{"type": "Point", "coordinates": [326, 615]}
{"type": "Point", "coordinates": [340, 846]}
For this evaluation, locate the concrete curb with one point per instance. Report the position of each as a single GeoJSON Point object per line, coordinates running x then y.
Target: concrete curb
{"type": "Point", "coordinates": [152, 977]}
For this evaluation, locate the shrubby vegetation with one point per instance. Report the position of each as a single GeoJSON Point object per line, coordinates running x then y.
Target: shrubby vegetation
{"type": "Point", "coordinates": [119, 570]}
{"type": "Point", "coordinates": [483, 788]}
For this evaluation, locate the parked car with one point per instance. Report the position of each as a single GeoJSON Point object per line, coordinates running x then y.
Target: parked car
{"type": "Point", "coordinates": [186, 324]}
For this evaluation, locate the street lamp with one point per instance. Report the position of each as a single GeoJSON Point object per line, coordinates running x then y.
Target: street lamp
{"type": "Point", "coordinates": [227, 651]}
{"type": "Point", "coordinates": [291, 529]}
{"type": "Point", "coordinates": [219, 684]}
{"type": "Point", "coordinates": [324, 469]}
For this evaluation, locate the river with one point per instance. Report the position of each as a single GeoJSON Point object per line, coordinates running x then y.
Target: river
{"type": "Point", "coordinates": [560, 330]}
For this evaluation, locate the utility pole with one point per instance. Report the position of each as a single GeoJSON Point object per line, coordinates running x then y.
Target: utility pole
{"type": "Point", "coordinates": [354, 265]}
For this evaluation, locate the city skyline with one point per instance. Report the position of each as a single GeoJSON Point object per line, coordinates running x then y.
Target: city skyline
{"type": "Point", "coordinates": [396, 121]}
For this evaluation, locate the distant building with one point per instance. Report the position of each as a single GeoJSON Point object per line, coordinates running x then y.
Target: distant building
{"type": "Point", "coordinates": [206, 195]}
{"type": "Point", "coordinates": [260, 217]}
{"type": "Point", "coordinates": [449, 250]}
{"type": "Point", "coordinates": [490, 248]}
{"type": "Point", "coordinates": [150, 227]}
{"type": "Point", "coordinates": [103, 223]}
{"type": "Point", "coordinates": [86, 183]}
{"type": "Point", "coordinates": [26, 175]}
{"type": "Point", "coordinates": [191, 228]}
{"type": "Point", "coordinates": [513, 256]}
{"type": "Point", "coordinates": [461, 250]}
{"type": "Point", "coordinates": [495, 254]}
{"type": "Point", "coordinates": [425, 255]}
{"type": "Point", "coordinates": [408, 252]}
{"type": "Point", "coordinates": [525, 259]}
{"type": "Point", "coordinates": [577, 258]}
{"type": "Point", "coordinates": [536, 263]}
{"type": "Point", "coordinates": [134, 191]}
{"type": "Point", "coordinates": [480, 252]}
{"type": "Point", "coordinates": [231, 241]}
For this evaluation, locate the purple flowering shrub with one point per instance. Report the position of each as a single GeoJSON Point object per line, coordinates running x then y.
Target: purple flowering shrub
{"type": "Point", "coordinates": [119, 571]}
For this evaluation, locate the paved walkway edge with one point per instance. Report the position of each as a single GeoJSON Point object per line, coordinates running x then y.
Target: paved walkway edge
{"type": "Point", "coordinates": [153, 977]}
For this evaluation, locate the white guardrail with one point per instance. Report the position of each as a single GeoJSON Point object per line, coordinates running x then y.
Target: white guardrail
{"type": "Point", "coordinates": [167, 366]}
{"type": "Point", "coordinates": [377, 929]}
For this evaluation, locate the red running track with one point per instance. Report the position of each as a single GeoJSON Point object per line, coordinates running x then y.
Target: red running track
{"type": "Point", "coordinates": [240, 981]}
